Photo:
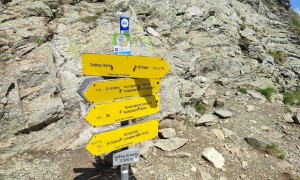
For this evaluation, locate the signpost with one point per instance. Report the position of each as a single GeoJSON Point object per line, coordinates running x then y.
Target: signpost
{"type": "Point", "coordinates": [122, 137]}
{"type": "Point", "coordinates": [113, 112]}
{"type": "Point", "coordinates": [98, 91]}
{"type": "Point", "coordinates": [121, 99]}
{"type": "Point", "coordinates": [126, 157]}
{"type": "Point", "coordinates": [115, 66]}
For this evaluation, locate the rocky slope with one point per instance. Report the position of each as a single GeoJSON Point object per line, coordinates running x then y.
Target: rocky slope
{"type": "Point", "coordinates": [245, 43]}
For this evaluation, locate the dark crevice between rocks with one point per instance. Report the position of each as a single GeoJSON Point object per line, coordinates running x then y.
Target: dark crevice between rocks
{"type": "Point", "coordinates": [10, 88]}
{"type": "Point", "coordinates": [180, 14]}
{"type": "Point", "coordinates": [38, 127]}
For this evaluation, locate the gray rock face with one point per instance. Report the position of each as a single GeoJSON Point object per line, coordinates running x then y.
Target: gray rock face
{"type": "Point", "coordinates": [213, 156]}
{"type": "Point", "coordinates": [171, 144]}
{"type": "Point", "coordinates": [41, 43]}
{"type": "Point", "coordinates": [167, 133]}
{"type": "Point", "coordinates": [205, 119]}
{"type": "Point", "coordinates": [222, 113]}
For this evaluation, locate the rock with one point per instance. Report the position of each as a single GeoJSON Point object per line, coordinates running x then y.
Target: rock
{"type": "Point", "coordinates": [190, 92]}
{"type": "Point", "coordinates": [195, 11]}
{"type": "Point", "coordinates": [200, 79]}
{"type": "Point", "coordinates": [171, 102]}
{"type": "Point", "coordinates": [234, 150]}
{"type": "Point", "coordinates": [210, 93]}
{"type": "Point", "coordinates": [169, 123]}
{"type": "Point", "coordinates": [205, 119]}
{"type": "Point", "coordinates": [214, 156]}
{"type": "Point", "coordinates": [265, 128]}
{"type": "Point", "coordinates": [167, 133]}
{"type": "Point", "coordinates": [227, 93]}
{"type": "Point", "coordinates": [146, 148]}
{"type": "Point", "coordinates": [288, 118]}
{"type": "Point", "coordinates": [179, 155]}
{"type": "Point", "coordinates": [170, 144]}
{"type": "Point", "coordinates": [223, 81]}
{"type": "Point", "coordinates": [222, 113]}
{"type": "Point", "coordinates": [296, 117]}
{"type": "Point", "coordinates": [227, 132]}
{"type": "Point", "coordinates": [151, 31]}
{"type": "Point", "coordinates": [134, 170]}
{"type": "Point", "coordinates": [250, 108]}
{"type": "Point", "coordinates": [257, 144]}
{"type": "Point", "coordinates": [219, 102]}
{"type": "Point", "coordinates": [256, 95]}
{"type": "Point", "coordinates": [205, 175]}
{"type": "Point", "coordinates": [244, 164]}
{"type": "Point", "coordinates": [36, 8]}
{"type": "Point", "coordinates": [219, 134]}
{"type": "Point", "coordinates": [194, 169]}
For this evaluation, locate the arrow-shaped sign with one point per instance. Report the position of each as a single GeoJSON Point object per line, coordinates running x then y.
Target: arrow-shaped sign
{"type": "Point", "coordinates": [97, 90]}
{"type": "Point", "coordinates": [109, 113]}
{"type": "Point", "coordinates": [122, 137]}
{"type": "Point", "coordinates": [124, 66]}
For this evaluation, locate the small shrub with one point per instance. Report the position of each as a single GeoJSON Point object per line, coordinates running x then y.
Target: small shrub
{"type": "Point", "coordinates": [242, 90]}
{"type": "Point", "coordinates": [90, 19]}
{"type": "Point", "coordinates": [291, 98]}
{"type": "Point", "coordinates": [279, 56]}
{"type": "Point", "coordinates": [287, 109]}
{"type": "Point", "coordinates": [187, 121]}
{"type": "Point", "coordinates": [243, 27]}
{"type": "Point", "coordinates": [267, 92]}
{"type": "Point", "coordinates": [40, 42]}
{"type": "Point", "coordinates": [273, 149]}
{"type": "Point", "coordinates": [243, 19]}
{"type": "Point", "coordinates": [295, 22]}
{"type": "Point", "coordinates": [200, 108]}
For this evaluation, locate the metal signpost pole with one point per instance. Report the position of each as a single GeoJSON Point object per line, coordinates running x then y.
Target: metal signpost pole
{"type": "Point", "coordinates": [125, 167]}
{"type": "Point", "coordinates": [124, 29]}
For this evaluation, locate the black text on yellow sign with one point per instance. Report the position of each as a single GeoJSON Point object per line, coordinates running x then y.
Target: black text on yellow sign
{"type": "Point", "coordinates": [124, 66]}
{"type": "Point", "coordinates": [110, 90]}
{"type": "Point", "coordinates": [123, 137]}
{"type": "Point", "coordinates": [109, 113]}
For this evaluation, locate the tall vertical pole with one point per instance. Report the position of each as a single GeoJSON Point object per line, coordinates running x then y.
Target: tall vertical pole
{"type": "Point", "coordinates": [125, 167]}
{"type": "Point", "coordinates": [124, 29]}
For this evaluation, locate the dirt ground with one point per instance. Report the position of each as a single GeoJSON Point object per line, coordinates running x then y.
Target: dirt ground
{"type": "Point", "coordinates": [264, 123]}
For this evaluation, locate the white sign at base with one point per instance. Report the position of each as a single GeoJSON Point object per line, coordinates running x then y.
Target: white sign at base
{"type": "Point", "coordinates": [126, 157]}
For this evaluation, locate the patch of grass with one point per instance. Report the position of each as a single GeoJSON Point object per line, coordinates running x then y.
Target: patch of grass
{"type": "Point", "coordinates": [187, 121]}
{"type": "Point", "coordinates": [273, 149]}
{"type": "Point", "coordinates": [200, 108]}
{"type": "Point", "coordinates": [242, 90]}
{"type": "Point", "coordinates": [243, 19]}
{"type": "Point", "coordinates": [90, 19]}
{"type": "Point", "coordinates": [267, 92]}
{"type": "Point", "coordinates": [292, 98]}
{"type": "Point", "coordinates": [279, 56]}
{"type": "Point", "coordinates": [40, 42]}
{"type": "Point", "coordinates": [295, 22]}
{"type": "Point", "coordinates": [287, 109]}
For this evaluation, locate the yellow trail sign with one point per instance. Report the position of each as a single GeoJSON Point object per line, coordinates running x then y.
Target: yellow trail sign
{"type": "Point", "coordinates": [124, 66]}
{"type": "Point", "coordinates": [123, 137]}
{"type": "Point", "coordinates": [109, 113]}
{"type": "Point", "coordinates": [114, 89]}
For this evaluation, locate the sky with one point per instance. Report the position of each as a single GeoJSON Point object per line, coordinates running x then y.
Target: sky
{"type": "Point", "coordinates": [296, 5]}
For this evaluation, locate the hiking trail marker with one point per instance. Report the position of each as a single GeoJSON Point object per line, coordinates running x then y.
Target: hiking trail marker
{"type": "Point", "coordinates": [122, 137]}
{"type": "Point", "coordinates": [131, 92]}
{"type": "Point", "coordinates": [124, 66]}
{"type": "Point", "coordinates": [113, 112]}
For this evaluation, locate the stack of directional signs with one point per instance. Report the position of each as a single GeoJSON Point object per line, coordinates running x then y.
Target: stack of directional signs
{"type": "Point", "coordinates": [131, 94]}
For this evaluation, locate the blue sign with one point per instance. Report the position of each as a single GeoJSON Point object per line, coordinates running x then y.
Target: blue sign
{"type": "Point", "coordinates": [124, 25]}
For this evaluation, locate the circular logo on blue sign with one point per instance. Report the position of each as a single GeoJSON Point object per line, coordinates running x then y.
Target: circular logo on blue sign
{"type": "Point", "coordinates": [124, 23]}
